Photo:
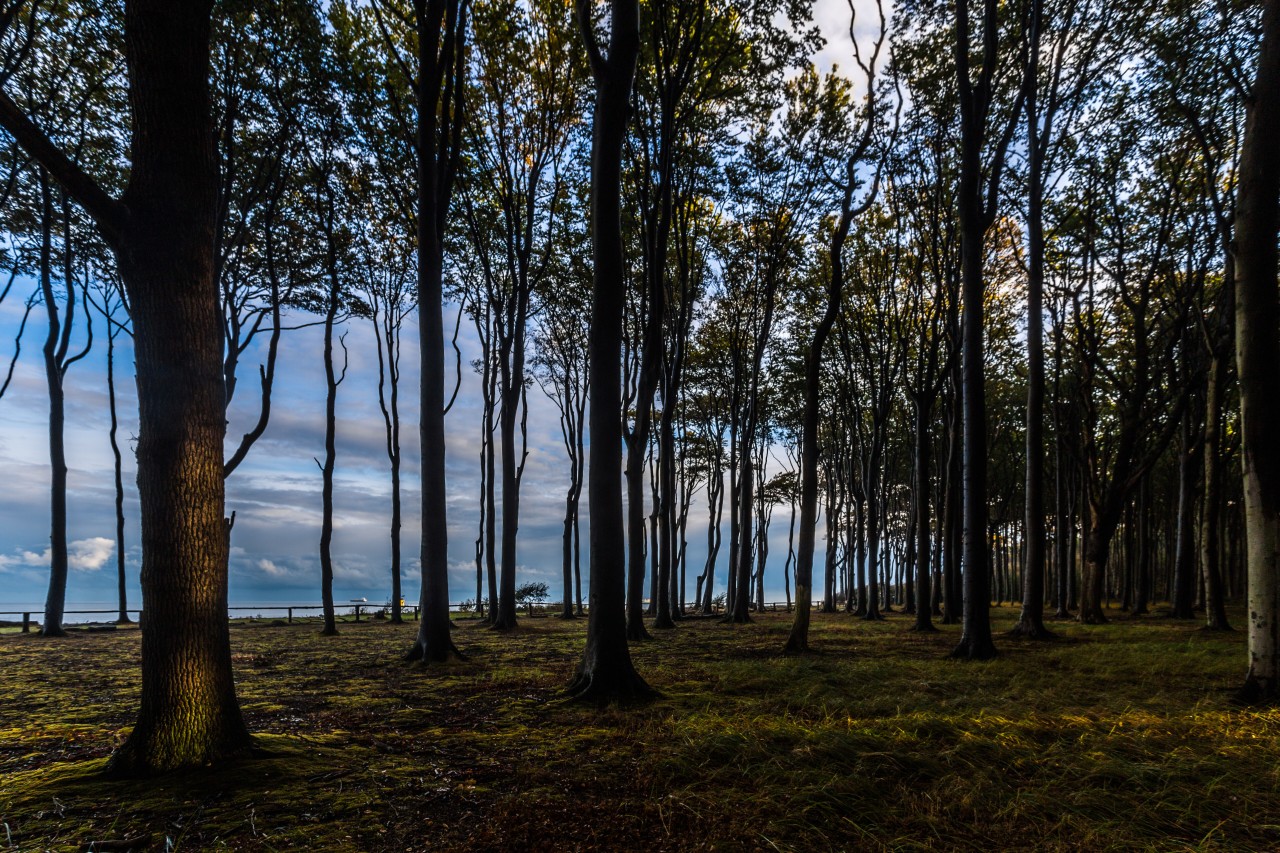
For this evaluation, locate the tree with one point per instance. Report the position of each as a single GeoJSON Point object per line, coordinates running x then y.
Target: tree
{"type": "Point", "coordinates": [523, 117]}
{"type": "Point", "coordinates": [606, 673]}
{"type": "Point", "coordinates": [161, 229]}
{"type": "Point", "coordinates": [110, 303]}
{"type": "Point", "coordinates": [331, 296]}
{"type": "Point", "coordinates": [60, 80]}
{"type": "Point", "coordinates": [440, 27]}
{"type": "Point", "coordinates": [560, 368]}
{"type": "Point", "coordinates": [798, 638]}
{"type": "Point", "coordinates": [386, 262]}
{"type": "Point", "coordinates": [979, 192]}
{"type": "Point", "coordinates": [1069, 45]}
{"type": "Point", "coordinates": [1257, 353]}
{"type": "Point", "coordinates": [57, 359]}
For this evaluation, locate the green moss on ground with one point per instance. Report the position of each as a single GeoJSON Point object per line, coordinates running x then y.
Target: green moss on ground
{"type": "Point", "coordinates": [1115, 737]}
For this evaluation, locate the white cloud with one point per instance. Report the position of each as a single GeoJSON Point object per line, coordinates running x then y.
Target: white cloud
{"type": "Point", "coordinates": [90, 555]}
{"type": "Point", "coordinates": [85, 555]}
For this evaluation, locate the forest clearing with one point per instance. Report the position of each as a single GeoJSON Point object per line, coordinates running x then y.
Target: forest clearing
{"type": "Point", "coordinates": [1120, 736]}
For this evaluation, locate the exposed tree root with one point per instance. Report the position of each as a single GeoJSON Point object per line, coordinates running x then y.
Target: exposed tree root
{"type": "Point", "coordinates": [427, 653]}
{"type": "Point", "coordinates": [970, 649]}
{"type": "Point", "coordinates": [603, 686]}
{"type": "Point", "coordinates": [1257, 693]}
{"type": "Point", "coordinates": [637, 633]}
{"type": "Point", "coordinates": [138, 759]}
{"type": "Point", "coordinates": [1028, 629]}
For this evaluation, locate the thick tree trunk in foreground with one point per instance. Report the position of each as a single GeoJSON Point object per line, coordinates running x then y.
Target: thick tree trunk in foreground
{"type": "Point", "coordinates": [1257, 354]}
{"type": "Point", "coordinates": [606, 673]}
{"type": "Point", "coordinates": [162, 232]}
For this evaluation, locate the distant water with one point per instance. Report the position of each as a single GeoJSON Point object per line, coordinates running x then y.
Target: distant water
{"type": "Point", "coordinates": [74, 611]}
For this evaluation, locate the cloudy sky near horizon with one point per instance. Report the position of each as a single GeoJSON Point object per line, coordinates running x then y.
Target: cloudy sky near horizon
{"type": "Point", "coordinates": [276, 492]}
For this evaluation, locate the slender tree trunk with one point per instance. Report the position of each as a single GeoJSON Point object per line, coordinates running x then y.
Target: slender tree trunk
{"type": "Point", "coordinates": [976, 642]}
{"type": "Point", "coordinates": [512, 384]}
{"type": "Point", "coordinates": [122, 617]}
{"type": "Point", "coordinates": [666, 511]}
{"type": "Point", "coordinates": [1031, 621]}
{"type": "Point", "coordinates": [746, 502]}
{"type": "Point", "coordinates": [1184, 566]}
{"type": "Point", "coordinates": [566, 540]}
{"type": "Point", "coordinates": [332, 381]}
{"type": "Point", "coordinates": [924, 608]}
{"type": "Point", "coordinates": [635, 539]}
{"type": "Point", "coordinates": [491, 506]}
{"type": "Point", "coordinates": [56, 598]}
{"type": "Point", "coordinates": [951, 505]}
{"type": "Point", "coordinates": [1215, 611]}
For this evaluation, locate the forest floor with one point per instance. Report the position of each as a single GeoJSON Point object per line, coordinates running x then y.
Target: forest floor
{"type": "Point", "coordinates": [1113, 737]}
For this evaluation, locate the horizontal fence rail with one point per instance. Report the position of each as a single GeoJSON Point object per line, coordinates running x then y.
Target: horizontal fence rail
{"type": "Point", "coordinates": [357, 608]}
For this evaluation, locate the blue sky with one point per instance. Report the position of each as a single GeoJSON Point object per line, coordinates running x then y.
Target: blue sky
{"type": "Point", "coordinates": [276, 492]}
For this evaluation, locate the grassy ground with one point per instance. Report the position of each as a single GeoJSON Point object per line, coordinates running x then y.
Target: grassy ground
{"type": "Point", "coordinates": [1119, 737]}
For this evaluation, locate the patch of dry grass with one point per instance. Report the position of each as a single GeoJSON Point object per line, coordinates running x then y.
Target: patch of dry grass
{"type": "Point", "coordinates": [1119, 737]}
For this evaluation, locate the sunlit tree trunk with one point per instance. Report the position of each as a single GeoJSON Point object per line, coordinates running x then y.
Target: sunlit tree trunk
{"type": "Point", "coordinates": [1257, 354]}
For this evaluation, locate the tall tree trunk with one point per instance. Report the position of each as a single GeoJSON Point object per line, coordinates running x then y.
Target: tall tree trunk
{"type": "Point", "coordinates": [387, 325]}
{"type": "Point", "coordinates": [53, 347]}
{"type": "Point", "coordinates": [666, 508]}
{"type": "Point", "coordinates": [122, 617]}
{"type": "Point", "coordinates": [923, 598]}
{"type": "Point", "coordinates": [332, 381]}
{"type": "Point", "coordinates": [1215, 611]}
{"type": "Point", "coordinates": [441, 30]}
{"type": "Point", "coordinates": [566, 558]}
{"type": "Point", "coordinates": [636, 472]}
{"type": "Point", "coordinates": [1257, 354]}
{"type": "Point", "coordinates": [744, 552]}
{"type": "Point", "coordinates": [1184, 565]}
{"type": "Point", "coordinates": [951, 505]}
{"type": "Point", "coordinates": [1031, 621]}
{"type": "Point", "coordinates": [491, 504]}
{"type": "Point", "coordinates": [512, 376]}
{"type": "Point", "coordinates": [976, 642]}
{"type": "Point", "coordinates": [606, 672]}
{"type": "Point", "coordinates": [162, 232]}
{"type": "Point", "coordinates": [1100, 528]}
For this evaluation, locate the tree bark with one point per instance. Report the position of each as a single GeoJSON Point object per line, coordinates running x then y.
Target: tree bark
{"type": "Point", "coordinates": [441, 30]}
{"type": "Point", "coordinates": [1031, 621]}
{"type": "Point", "coordinates": [606, 672]}
{"type": "Point", "coordinates": [54, 350]}
{"type": "Point", "coordinates": [1257, 354]}
{"type": "Point", "coordinates": [1215, 611]}
{"type": "Point", "coordinates": [332, 379]}
{"type": "Point", "coordinates": [1184, 565]}
{"type": "Point", "coordinates": [122, 617]}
